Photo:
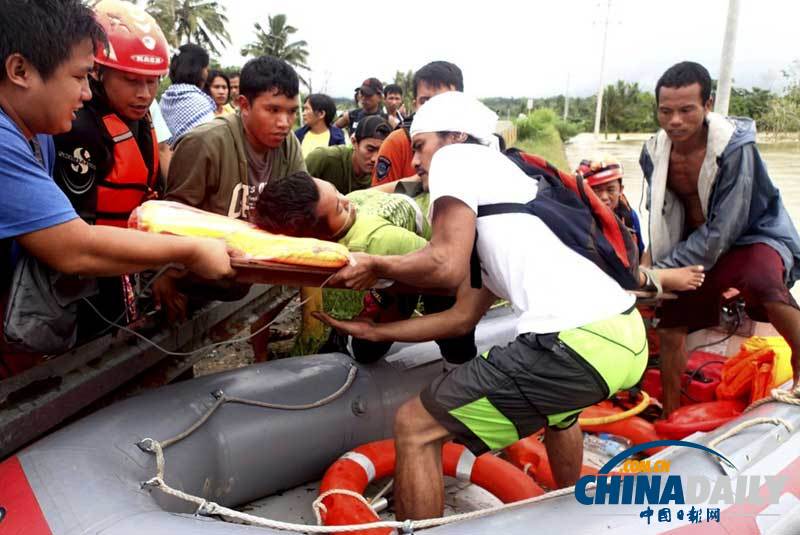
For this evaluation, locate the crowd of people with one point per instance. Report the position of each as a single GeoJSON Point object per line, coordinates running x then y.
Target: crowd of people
{"type": "Point", "coordinates": [85, 142]}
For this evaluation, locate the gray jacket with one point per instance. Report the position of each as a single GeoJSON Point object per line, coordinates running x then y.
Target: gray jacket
{"type": "Point", "coordinates": [743, 207]}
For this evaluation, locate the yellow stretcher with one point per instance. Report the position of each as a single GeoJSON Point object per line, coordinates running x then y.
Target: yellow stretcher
{"type": "Point", "coordinates": [265, 257]}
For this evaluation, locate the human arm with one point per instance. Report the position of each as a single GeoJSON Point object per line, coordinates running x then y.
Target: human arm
{"type": "Point", "coordinates": [76, 248]}
{"type": "Point", "coordinates": [342, 121]}
{"type": "Point", "coordinates": [443, 263]}
{"type": "Point", "coordinates": [390, 187]}
{"type": "Point", "coordinates": [470, 306]}
{"type": "Point", "coordinates": [728, 214]}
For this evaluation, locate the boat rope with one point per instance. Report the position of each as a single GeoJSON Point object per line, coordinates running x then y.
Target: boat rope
{"type": "Point", "coordinates": [633, 411]}
{"type": "Point", "coordinates": [779, 395]}
{"type": "Point", "coordinates": [222, 398]}
{"type": "Point", "coordinates": [320, 507]}
{"type": "Point", "coordinates": [205, 507]}
{"type": "Point", "coordinates": [749, 423]}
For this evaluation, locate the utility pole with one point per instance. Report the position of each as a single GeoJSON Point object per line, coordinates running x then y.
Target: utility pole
{"type": "Point", "coordinates": [566, 99]}
{"type": "Point", "coordinates": [723, 96]}
{"type": "Point", "coordinates": [598, 110]}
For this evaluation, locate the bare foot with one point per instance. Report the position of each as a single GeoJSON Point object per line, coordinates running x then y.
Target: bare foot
{"type": "Point", "coordinates": [681, 279]}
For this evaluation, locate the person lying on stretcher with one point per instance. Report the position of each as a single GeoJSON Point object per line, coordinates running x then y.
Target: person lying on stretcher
{"type": "Point", "coordinates": [371, 221]}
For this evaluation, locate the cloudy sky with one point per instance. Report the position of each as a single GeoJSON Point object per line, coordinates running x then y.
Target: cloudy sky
{"type": "Point", "coordinates": [529, 47]}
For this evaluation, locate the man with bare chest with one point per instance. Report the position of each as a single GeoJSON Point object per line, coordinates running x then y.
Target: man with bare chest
{"type": "Point", "coordinates": [682, 180]}
{"type": "Point", "coordinates": [712, 203]}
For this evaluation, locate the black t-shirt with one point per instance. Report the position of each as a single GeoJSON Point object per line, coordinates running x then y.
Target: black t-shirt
{"type": "Point", "coordinates": [354, 116]}
{"type": "Point", "coordinates": [85, 155]}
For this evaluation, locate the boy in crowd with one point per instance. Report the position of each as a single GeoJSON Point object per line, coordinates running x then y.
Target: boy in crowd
{"type": "Point", "coordinates": [366, 221]}
{"type": "Point", "coordinates": [349, 168]}
{"type": "Point", "coordinates": [234, 97]}
{"type": "Point", "coordinates": [370, 98]}
{"type": "Point", "coordinates": [318, 130]}
{"type": "Point", "coordinates": [393, 99]}
{"type": "Point", "coordinates": [394, 158]}
{"type": "Point", "coordinates": [184, 105]}
{"type": "Point", "coordinates": [218, 166]}
{"type": "Point", "coordinates": [48, 50]}
{"type": "Point", "coordinates": [108, 163]}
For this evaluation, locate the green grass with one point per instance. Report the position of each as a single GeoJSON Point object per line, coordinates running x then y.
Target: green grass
{"type": "Point", "coordinates": [548, 146]}
{"type": "Point", "coordinates": [538, 134]}
{"type": "Point", "coordinates": [342, 304]}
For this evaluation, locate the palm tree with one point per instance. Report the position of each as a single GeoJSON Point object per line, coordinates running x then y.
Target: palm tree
{"type": "Point", "coordinates": [275, 42]}
{"type": "Point", "coordinates": [192, 21]}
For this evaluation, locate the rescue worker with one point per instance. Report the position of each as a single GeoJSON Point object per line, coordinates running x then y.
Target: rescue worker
{"type": "Point", "coordinates": [108, 164]}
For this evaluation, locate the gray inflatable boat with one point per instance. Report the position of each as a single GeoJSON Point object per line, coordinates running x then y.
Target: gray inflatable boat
{"type": "Point", "coordinates": [88, 478]}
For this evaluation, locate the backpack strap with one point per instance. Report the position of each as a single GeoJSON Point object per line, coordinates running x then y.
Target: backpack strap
{"type": "Point", "coordinates": [475, 277]}
{"type": "Point", "coordinates": [503, 208]}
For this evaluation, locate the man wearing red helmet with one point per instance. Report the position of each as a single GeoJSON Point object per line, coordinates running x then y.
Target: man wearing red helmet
{"type": "Point", "coordinates": [108, 164]}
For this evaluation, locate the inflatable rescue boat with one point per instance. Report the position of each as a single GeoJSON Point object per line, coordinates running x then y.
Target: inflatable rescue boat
{"type": "Point", "coordinates": [266, 432]}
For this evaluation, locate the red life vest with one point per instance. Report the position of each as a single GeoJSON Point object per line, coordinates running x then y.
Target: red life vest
{"type": "Point", "coordinates": [130, 182]}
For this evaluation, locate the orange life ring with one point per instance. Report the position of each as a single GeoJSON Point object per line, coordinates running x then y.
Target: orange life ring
{"type": "Point", "coordinates": [530, 456]}
{"type": "Point", "coordinates": [354, 470]}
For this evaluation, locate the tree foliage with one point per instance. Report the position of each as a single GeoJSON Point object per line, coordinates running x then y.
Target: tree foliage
{"type": "Point", "coordinates": [192, 21]}
{"type": "Point", "coordinates": [406, 81]}
{"type": "Point", "coordinates": [274, 41]}
{"type": "Point", "coordinates": [627, 109]}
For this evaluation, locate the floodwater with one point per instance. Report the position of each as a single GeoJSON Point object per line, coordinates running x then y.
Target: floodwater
{"type": "Point", "coordinates": [782, 160]}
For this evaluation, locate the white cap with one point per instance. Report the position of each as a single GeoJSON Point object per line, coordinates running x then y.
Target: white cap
{"type": "Point", "coordinates": [453, 111]}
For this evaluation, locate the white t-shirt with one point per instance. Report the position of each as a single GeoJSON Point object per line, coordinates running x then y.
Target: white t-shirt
{"type": "Point", "coordinates": [551, 287]}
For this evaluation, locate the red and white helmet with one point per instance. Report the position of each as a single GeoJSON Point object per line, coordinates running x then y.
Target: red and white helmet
{"type": "Point", "coordinates": [599, 172]}
{"type": "Point", "coordinates": [136, 43]}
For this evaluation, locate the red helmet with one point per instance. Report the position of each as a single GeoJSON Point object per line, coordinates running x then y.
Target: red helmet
{"type": "Point", "coordinates": [136, 43]}
{"type": "Point", "coordinates": [600, 172]}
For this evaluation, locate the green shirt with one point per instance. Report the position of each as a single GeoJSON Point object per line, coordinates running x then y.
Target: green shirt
{"type": "Point", "coordinates": [335, 165]}
{"type": "Point", "coordinates": [386, 224]}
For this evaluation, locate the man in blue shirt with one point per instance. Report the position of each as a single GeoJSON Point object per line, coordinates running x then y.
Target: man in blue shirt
{"type": "Point", "coordinates": [47, 51]}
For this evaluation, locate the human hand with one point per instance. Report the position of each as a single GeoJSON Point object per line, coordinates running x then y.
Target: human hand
{"type": "Point", "coordinates": [361, 328]}
{"type": "Point", "coordinates": [211, 259]}
{"type": "Point", "coordinates": [360, 275]}
{"type": "Point", "coordinates": [168, 298]}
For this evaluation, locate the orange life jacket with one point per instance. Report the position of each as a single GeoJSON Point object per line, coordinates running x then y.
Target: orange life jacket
{"type": "Point", "coordinates": [130, 182]}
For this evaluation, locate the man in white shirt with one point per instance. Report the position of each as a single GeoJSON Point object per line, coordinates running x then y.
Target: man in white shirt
{"type": "Point", "coordinates": [579, 341]}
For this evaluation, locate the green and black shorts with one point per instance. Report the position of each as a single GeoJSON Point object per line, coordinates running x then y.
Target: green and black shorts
{"type": "Point", "coordinates": [538, 380]}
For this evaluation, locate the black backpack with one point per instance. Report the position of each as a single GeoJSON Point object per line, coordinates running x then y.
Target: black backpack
{"type": "Point", "coordinates": [569, 207]}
